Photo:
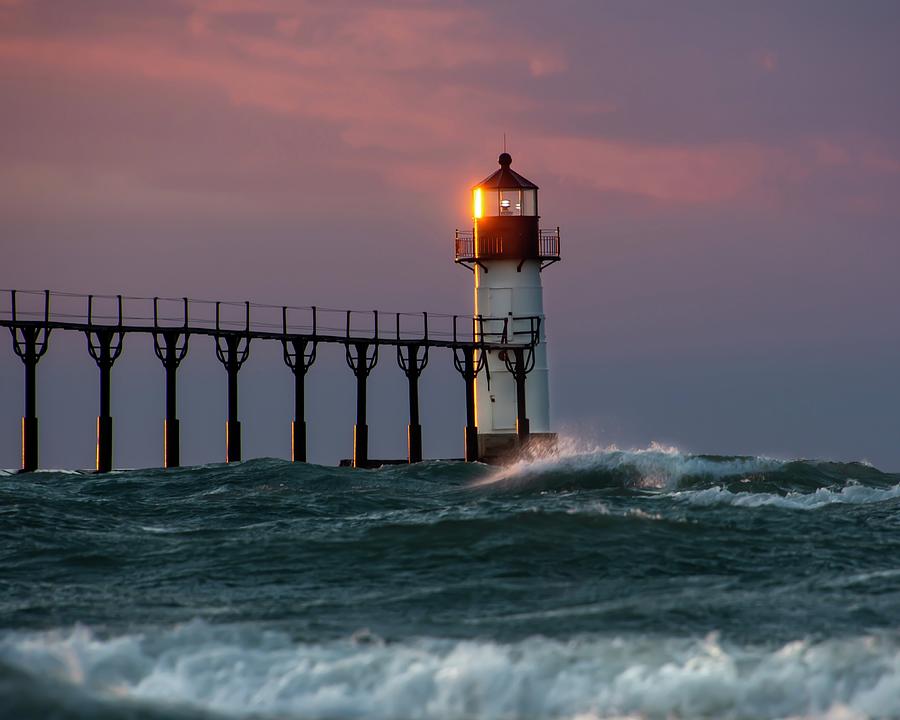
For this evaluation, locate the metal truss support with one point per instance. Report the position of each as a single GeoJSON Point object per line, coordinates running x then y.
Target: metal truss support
{"type": "Point", "coordinates": [170, 346]}
{"type": "Point", "coordinates": [299, 355]}
{"type": "Point", "coordinates": [464, 359]}
{"type": "Point", "coordinates": [232, 350]}
{"type": "Point", "coordinates": [521, 364]}
{"type": "Point", "coordinates": [30, 344]}
{"type": "Point", "coordinates": [362, 358]}
{"type": "Point", "coordinates": [105, 346]}
{"type": "Point", "coordinates": [413, 362]}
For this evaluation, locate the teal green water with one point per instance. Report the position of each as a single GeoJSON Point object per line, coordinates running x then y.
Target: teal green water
{"type": "Point", "coordinates": [602, 584]}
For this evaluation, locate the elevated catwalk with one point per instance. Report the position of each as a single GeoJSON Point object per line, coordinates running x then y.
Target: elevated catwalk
{"type": "Point", "coordinates": [106, 321]}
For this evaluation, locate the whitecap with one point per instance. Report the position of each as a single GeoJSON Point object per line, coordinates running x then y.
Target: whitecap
{"type": "Point", "coordinates": [656, 467]}
{"type": "Point", "coordinates": [244, 671]}
{"type": "Point", "coordinates": [851, 494]}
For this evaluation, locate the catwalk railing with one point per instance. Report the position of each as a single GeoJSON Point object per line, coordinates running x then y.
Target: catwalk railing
{"type": "Point", "coordinates": [106, 320]}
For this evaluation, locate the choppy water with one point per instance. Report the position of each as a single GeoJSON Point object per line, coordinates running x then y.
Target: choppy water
{"type": "Point", "coordinates": [603, 584]}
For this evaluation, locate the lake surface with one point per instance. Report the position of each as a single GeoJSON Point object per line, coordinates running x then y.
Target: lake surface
{"type": "Point", "coordinates": [599, 584]}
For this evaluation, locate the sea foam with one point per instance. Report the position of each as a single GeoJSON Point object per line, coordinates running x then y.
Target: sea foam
{"type": "Point", "coordinates": [851, 494]}
{"type": "Point", "coordinates": [239, 672]}
{"type": "Point", "coordinates": [657, 467]}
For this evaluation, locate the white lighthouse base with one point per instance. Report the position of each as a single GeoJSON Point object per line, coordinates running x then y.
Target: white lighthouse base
{"type": "Point", "coordinates": [504, 448]}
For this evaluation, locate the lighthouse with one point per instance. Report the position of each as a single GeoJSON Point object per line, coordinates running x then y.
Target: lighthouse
{"type": "Point", "coordinates": [507, 252]}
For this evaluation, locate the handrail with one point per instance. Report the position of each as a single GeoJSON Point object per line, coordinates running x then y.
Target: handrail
{"type": "Point", "coordinates": [466, 249]}
{"type": "Point", "coordinates": [87, 313]}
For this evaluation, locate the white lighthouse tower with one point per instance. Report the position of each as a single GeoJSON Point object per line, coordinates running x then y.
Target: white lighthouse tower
{"type": "Point", "coordinates": [507, 251]}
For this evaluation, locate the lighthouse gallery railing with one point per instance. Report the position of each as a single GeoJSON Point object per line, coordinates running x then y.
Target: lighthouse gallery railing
{"type": "Point", "coordinates": [465, 250]}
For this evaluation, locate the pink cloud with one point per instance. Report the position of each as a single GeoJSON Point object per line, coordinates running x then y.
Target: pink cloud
{"type": "Point", "coordinates": [709, 173]}
{"type": "Point", "coordinates": [881, 162]}
{"type": "Point", "coordinates": [546, 64]}
{"type": "Point", "coordinates": [389, 80]}
{"type": "Point", "coordinates": [830, 153]}
{"type": "Point", "coordinates": [288, 26]}
{"type": "Point", "coordinates": [359, 57]}
{"type": "Point", "coordinates": [766, 59]}
{"type": "Point", "coordinates": [856, 155]}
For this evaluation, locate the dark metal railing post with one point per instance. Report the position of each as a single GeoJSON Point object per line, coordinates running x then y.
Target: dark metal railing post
{"type": "Point", "coordinates": [105, 346]}
{"type": "Point", "coordinates": [233, 354]}
{"type": "Point", "coordinates": [30, 344]}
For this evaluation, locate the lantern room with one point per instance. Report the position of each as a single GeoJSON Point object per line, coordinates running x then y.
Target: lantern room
{"type": "Point", "coordinates": [505, 194]}
{"type": "Point", "coordinates": [505, 219]}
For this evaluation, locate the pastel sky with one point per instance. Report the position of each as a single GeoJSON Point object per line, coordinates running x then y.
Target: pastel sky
{"type": "Point", "coordinates": [726, 176]}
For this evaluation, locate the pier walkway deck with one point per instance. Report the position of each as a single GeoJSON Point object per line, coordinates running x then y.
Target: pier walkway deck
{"type": "Point", "coordinates": [106, 320]}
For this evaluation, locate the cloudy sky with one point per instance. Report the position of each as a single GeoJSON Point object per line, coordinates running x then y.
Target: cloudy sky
{"type": "Point", "coordinates": [726, 176]}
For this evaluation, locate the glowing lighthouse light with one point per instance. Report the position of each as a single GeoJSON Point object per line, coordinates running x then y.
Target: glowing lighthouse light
{"type": "Point", "coordinates": [507, 251]}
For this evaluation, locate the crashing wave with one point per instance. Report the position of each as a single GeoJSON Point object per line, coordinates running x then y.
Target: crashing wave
{"type": "Point", "coordinates": [241, 672]}
{"type": "Point", "coordinates": [666, 469]}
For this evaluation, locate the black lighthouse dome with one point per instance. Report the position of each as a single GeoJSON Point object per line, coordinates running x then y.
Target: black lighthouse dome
{"type": "Point", "coordinates": [505, 178]}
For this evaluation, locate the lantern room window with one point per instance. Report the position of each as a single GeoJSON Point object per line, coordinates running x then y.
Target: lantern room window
{"type": "Point", "coordinates": [529, 202]}
{"type": "Point", "coordinates": [491, 203]}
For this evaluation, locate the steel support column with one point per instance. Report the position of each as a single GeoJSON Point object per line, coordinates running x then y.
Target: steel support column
{"type": "Point", "coordinates": [232, 350]}
{"type": "Point", "coordinates": [471, 425]}
{"type": "Point", "coordinates": [171, 347]}
{"type": "Point", "coordinates": [414, 429]}
{"type": "Point", "coordinates": [30, 344]}
{"type": "Point", "coordinates": [361, 428]}
{"type": "Point", "coordinates": [29, 419]}
{"type": "Point", "coordinates": [412, 364]}
{"type": "Point", "coordinates": [298, 424]}
{"type": "Point", "coordinates": [298, 356]}
{"type": "Point", "coordinates": [30, 341]}
{"type": "Point", "coordinates": [522, 424]}
{"type": "Point", "coordinates": [361, 358]}
{"type": "Point", "coordinates": [520, 366]}
{"type": "Point", "coordinates": [464, 359]}
{"type": "Point", "coordinates": [105, 346]}
{"type": "Point", "coordinates": [232, 356]}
